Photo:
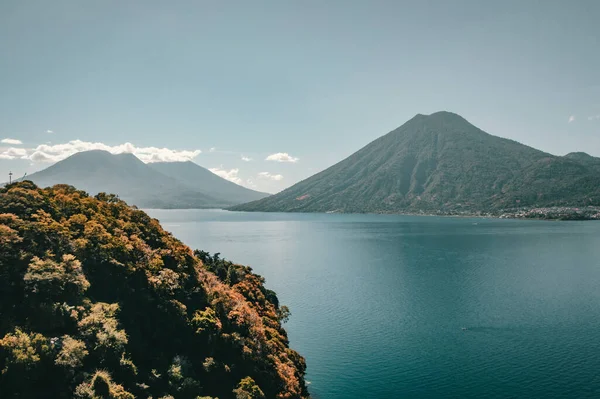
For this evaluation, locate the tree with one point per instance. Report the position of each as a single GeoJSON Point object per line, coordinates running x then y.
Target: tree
{"type": "Point", "coordinates": [247, 389]}
{"type": "Point", "coordinates": [51, 281]}
{"type": "Point", "coordinates": [283, 314]}
{"type": "Point", "coordinates": [98, 301]}
{"type": "Point", "coordinates": [72, 353]}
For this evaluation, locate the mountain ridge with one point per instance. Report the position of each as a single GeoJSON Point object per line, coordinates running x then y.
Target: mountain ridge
{"type": "Point", "coordinates": [196, 177]}
{"type": "Point", "coordinates": [142, 184]}
{"type": "Point", "coordinates": [122, 174]}
{"type": "Point", "coordinates": [439, 163]}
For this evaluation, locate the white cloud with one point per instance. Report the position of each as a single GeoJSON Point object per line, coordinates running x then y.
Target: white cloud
{"type": "Point", "coordinates": [231, 175]}
{"type": "Point", "coordinates": [13, 153]}
{"type": "Point", "coordinates": [212, 149]}
{"type": "Point", "coordinates": [571, 118]}
{"type": "Point", "coordinates": [282, 157]}
{"type": "Point", "coordinates": [267, 175]}
{"type": "Point", "coordinates": [11, 141]}
{"type": "Point", "coordinates": [58, 152]}
{"type": "Point", "coordinates": [246, 159]}
{"type": "Point", "coordinates": [39, 156]}
{"type": "Point", "coordinates": [591, 118]}
{"type": "Point", "coordinates": [49, 131]}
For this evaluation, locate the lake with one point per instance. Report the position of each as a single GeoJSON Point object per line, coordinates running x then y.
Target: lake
{"type": "Point", "coordinates": [424, 307]}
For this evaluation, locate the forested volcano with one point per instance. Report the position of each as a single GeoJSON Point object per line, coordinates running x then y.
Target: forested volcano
{"type": "Point", "coordinates": [440, 163]}
{"type": "Point", "coordinates": [98, 301]}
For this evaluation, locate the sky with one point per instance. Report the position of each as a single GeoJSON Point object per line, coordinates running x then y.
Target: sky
{"type": "Point", "coordinates": [267, 93]}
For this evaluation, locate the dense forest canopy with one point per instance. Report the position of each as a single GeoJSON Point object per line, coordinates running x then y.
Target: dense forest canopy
{"type": "Point", "coordinates": [98, 301]}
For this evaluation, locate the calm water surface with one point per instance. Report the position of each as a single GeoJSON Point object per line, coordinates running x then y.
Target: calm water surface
{"type": "Point", "coordinates": [379, 302]}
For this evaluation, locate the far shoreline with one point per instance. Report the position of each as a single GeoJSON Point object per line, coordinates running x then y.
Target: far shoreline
{"type": "Point", "coordinates": [573, 215]}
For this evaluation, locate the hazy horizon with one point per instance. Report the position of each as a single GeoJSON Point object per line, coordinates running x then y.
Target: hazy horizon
{"type": "Point", "coordinates": [268, 93]}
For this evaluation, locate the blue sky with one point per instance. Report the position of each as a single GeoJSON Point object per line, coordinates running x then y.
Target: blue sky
{"type": "Point", "coordinates": [315, 80]}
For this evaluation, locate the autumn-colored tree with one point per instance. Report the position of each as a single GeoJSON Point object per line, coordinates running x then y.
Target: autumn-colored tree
{"type": "Point", "coordinates": [98, 301]}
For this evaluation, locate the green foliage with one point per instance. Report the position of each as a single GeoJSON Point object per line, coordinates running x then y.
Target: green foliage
{"type": "Point", "coordinates": [283, 314]}
{"type": "Point", "coordinates": [441, 164]}
{"type": "Point", "coordinates": [209, 364]}
{"type": "Point", "coordinates": [128, 366]}
{"type": "Point", "coordinates": [247, 389]}
{"type": "Point", "coordinates": [51, 280]}
{"type": "Point", "coordinates": [72, 353]}
{"type": "Point", "coordinates": [100, 326]}
{"type": "Point", "coordinates": [206, 321]}
{"type": "Point", "coordinates": [182, 377]}
{"type": "Point", "coordinates": [25, 358]}
{"type": "Point", "coordinates": [23, 350]}
{"type": "Point", "coordinates": [98, 301]}
{"type": "Point", "coordinates": [101, 386]}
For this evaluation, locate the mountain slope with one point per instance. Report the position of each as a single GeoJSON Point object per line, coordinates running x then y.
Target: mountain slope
{"type": "Point", "coordinates": [98, 301]}
{"type": "Point", "coordinates": [125, 175]}
{"type": "Point", "coordinates": [585, 159]}
{"type": "Point", "coordinates": [439, 163]}
{"type": "Point", "coordinates": [198, 178]}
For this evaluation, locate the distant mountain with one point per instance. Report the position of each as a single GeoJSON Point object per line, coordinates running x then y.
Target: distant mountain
{"type": "Point", "coordinates": [198, 178]}
{"type": "Point", "coordinates": [440, 163]}
{"type": "Point", "coordinates": [585, 159]}
{"type": "Point", "coordinates": [125, 175]}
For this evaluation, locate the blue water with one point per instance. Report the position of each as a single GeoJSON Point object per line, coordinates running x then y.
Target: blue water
{"type": "Point", "coordinates": [379, 302]}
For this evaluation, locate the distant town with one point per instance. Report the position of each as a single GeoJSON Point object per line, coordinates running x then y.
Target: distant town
{"type": "Point", "coordinates": [554, 213]}
{"type": "Point", "coordinates": [541, 213]}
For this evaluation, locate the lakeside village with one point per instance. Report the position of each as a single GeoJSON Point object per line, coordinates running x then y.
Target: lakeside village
{"type": "Point", "coordinates": [554, 213]}
{"type": "Point", "coordinates": [541, 213]}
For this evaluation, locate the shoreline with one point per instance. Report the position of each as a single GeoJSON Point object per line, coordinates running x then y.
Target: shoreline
{"type": "Point", "coordinates": [539, 213]}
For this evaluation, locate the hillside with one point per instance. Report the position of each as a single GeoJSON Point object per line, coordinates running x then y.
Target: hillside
{"type": "Point", "coordinates": [585, 159]}
{"type": "Point", "coordinates": [98, 301]}
{"type": "Point", "coordinates": [440, 163]}
{"type": "Point", "coordinates": [196, 177]}
{"type": "Point", "coordinates": [134, 181]}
